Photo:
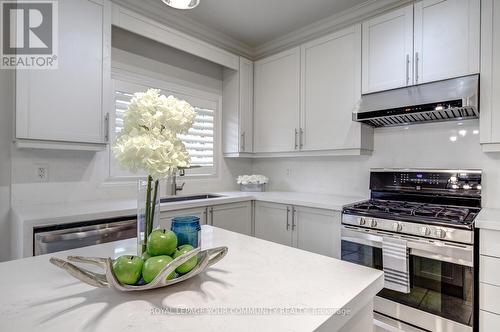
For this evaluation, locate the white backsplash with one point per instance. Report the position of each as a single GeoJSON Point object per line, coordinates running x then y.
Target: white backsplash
{"type": "Point", "coordinates": [435, 145]}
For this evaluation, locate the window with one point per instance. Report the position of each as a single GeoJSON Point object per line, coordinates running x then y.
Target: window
{"type": "Point", "coordinates": [199, 141]}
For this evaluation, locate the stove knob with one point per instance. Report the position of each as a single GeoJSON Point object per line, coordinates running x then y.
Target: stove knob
{"type": "Point", "coordinates": [397, 227]}
{"type": "Point", "coordinates": [361, 221]}
{"type": "Point", "coordinates": [373, 223]}
{"type": "Point", "coordinates": [425, 231]}
{"type": "Point", "coordinates": [440, 233]}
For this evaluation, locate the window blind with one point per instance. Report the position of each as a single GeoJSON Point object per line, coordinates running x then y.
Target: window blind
{"type": "Point", "coordinates": [199, 140]}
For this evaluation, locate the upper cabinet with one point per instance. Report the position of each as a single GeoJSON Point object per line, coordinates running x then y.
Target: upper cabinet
{"type": "Point", "coordinates": [447, 39]}
{"type": "Point", "coordinates": [237, 112]}
{"type": "Point", "coordinates": [277, 93]}
{"type": "Point", "coordinates": [388, 51]}
{"type": "Point", "coordinates": [330, 90]}
{"type": "Point", "coordinates": [490, 76]}
{"type": "Point", "coordinates": [429, 41]}
{"type": "Point", "coordinates": [67, 107]}
{"type": "Point", "coordinates": [304, 99]}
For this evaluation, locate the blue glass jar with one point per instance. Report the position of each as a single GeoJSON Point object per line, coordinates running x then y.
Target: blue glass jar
{"type": "Point", "coordinates": [187, 229]}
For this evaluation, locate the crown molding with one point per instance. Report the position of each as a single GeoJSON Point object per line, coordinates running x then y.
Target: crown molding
{"type": "Point", "coordinates": [155, 10]}
{"type": "Point", "coordinates": [327, 25]}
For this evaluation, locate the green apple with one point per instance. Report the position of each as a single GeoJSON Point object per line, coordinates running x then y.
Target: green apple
{"type": "Point", "coordinates": [154, 265]}
{"type": "Point", "coordinates": [127, 269]}
{"type": "Point", "coordinates": [190, 264]}
{"type": "Point", "coordinates": [161, 242]}
{"type": "Point", "coordinates": [145, 256]}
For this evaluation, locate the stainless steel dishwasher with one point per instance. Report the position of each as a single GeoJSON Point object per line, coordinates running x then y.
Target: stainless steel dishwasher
{"type": "Point", "coordinates": [54, 238]}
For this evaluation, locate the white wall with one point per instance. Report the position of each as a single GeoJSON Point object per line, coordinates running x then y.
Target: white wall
{"type": "Point", "coordinates": [76, 176]}
{"type": "Point", "coordinates": [6, 111]}
{"type": "Point", "coordinates": [424, 145]}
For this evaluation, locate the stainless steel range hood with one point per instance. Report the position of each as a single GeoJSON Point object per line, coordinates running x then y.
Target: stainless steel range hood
{"type": "Point", "coordinates": [454, 99]}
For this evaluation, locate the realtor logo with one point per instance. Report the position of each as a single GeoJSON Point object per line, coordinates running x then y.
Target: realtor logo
{"type": "Point", "coordinates": [29, 34]}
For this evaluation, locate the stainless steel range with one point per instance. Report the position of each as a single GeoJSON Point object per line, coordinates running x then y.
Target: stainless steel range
{"type": "Point", "coordinates": [418, 226]}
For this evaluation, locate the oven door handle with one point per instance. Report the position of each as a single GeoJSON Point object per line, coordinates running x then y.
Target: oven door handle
{"type": "Point", "coordinates": [437, 250]}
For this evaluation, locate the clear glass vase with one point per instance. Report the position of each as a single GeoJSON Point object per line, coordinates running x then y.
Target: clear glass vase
{"type": "Point", "coordinates": [148, 211]}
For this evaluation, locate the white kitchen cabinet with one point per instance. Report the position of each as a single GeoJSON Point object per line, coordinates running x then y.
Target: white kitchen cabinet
{"type": "Point", "coordinates": [237, 112]}
{"type": "Point", "coordinates": [489, 280]}
{"type": "Point", "coordinates": [167, 216]}
{"type": "Point", "coordinates": [70, 104]}
{"type": "Point", "coordinates": [317, 230]}
{"type": "Point", "coordinates": [276, 103]}
{"type": "Point", "coordinates": [447, 39]}
{"type": "Point", "coordinates": [273, 222]}
{"type": "Point", "coordinates": [330, 90]}
{"type": "Point", "coordinates": [429, 41]}
{"type": "Point", "coordinates": [388, 51]}
{"type": "Point", "coordinates": [236, 217]}
{"type": "Point", "coordinates": [490, 76]}
{"type": "Point", "coordinates": [314, 230]}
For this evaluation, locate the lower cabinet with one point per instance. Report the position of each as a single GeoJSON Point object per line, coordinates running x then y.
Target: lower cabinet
{"type": "Point", "coordinates": [273, 222]}
{"type": "Point", "coordinates": [489, 280]}
{"type": "Point", "coordinates": [167, 216]}
{"type": "Point", "coordinates": [314, 230]}
{"type": "Point", "coordinates": [236, 217]}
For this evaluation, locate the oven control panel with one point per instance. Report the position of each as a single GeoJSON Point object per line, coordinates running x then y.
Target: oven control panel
{"type": "Point", "coordinates": [459, 182]}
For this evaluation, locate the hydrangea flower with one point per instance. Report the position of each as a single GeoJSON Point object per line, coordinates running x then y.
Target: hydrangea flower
{"type": "Point", "coordinates": [149, 139]}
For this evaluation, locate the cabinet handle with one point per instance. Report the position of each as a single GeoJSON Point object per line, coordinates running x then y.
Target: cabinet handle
{"type": "Point", "coordinates": [294, 213]}
{"type": "Point", "coordinates": [301, 140]}
{"type": "Point", "coordinates": [417, 60]}
{"type": "Point", "coordinates": [287, 218]}
{"type": "Point", "coordinates": [212, 216]}
{"type": "Point", "coordinates": [296, 139]}
{"type": "Point", "coordinates": [106, 127]}
{"type": "Point", "coordinates": [407, 69]}
{"type": "Point", "coordinates": [243, 141]}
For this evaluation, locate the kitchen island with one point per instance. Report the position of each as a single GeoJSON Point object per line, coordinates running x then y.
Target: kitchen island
{"type": "Point", "coordinates": [258, 286]}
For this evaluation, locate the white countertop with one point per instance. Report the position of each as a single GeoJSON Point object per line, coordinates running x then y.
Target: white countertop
{"type": "Point", "coordinates": [25, 217]}
{"type": "Point", "coordinates": [488, 219]}
{"type": "Point", "coordinates": [47, 214]}
{"type": "Point", "coordinates": [37, 296]}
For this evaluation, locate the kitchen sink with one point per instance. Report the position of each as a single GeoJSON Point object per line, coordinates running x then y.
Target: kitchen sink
{"type": "Point", "coordinates": [173, 199]}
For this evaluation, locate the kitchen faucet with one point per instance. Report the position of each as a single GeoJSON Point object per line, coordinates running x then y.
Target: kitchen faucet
{"type": "Point", "coordinates": [174, 186]}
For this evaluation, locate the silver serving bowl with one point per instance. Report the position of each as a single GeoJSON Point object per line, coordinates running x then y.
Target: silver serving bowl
{"type": "Point", "coordinates": [206, 258]}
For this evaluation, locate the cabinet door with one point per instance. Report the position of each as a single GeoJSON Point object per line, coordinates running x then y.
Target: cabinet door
{"type": "Point", "coordinates": [167, 216]}
{"type": "Point", "coordinates": [490, 75]}
{"type": "Point", "coordinates": [67, 104]}
{"type": "Point", "coordinates": [447, 39]}
{"type": "Point", "coordinates": [246, 105]}
{"type": "Point", "coordinates": [237, 112]}
{"type": "Point", "coordinates": [331, 87]}
{"type": "Point", "coordinates": [273, 222]}
{"type": "Point", "coordinates": [276, 107]}
{"type": "Point", "coordinates": [235, 217]}
{"type": "Point", "coordinates": [317, 230]}
{"type": "Point", "coordinates": [388, 51]}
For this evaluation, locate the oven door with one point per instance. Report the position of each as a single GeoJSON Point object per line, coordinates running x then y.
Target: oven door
{"type": "Point", "coordinates": [441, 279]}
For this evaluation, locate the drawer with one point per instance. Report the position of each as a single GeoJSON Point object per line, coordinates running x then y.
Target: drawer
{"type": "Point", "coordinates": [489, 243]}
{"type": "Point", "coordinates": [489, 298]}
{"type": "Point", "coordinates": [489, 270]}
{"type": "Point", "coordinates": [488, 322]}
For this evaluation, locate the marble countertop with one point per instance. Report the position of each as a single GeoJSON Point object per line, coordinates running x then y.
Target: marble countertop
{"type": "Point", "coordinates": [256, 274]}
{"type": "Point", "coordinates": [488, 219]}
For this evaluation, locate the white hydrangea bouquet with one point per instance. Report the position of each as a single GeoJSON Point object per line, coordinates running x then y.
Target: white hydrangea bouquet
{"type": "Point", "coordinates": [149, 142]}
{"type": "Point", "coordinates": [252, 182]}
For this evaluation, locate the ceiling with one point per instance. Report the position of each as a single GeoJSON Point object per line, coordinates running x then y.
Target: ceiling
{"type": "Point", "coordinates": [255, 22]}
{"type": "Point", "coordinates": [258, 28]}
